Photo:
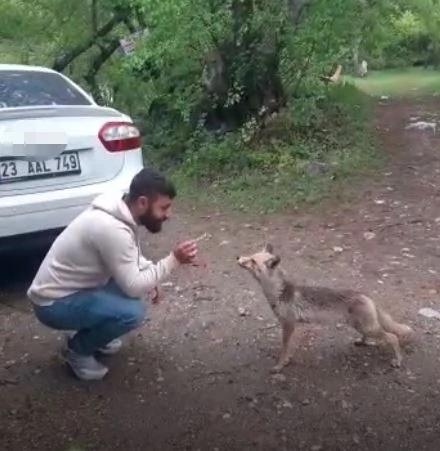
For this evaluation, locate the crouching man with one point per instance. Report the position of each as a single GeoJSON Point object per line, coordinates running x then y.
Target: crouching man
{"type": "Point", "coordinates": [94, 279]}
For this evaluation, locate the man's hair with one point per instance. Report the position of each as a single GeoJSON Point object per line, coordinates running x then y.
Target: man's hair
{"type": "Point", "coordinates": [150, 183]}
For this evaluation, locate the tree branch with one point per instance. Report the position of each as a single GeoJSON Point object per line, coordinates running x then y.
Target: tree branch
{"type": "Point", "coordinates": [105, 53]}
{"type": "Point", "coordinates": [62, 62]}
{"type": "Point", "coordinates": [94, 16]}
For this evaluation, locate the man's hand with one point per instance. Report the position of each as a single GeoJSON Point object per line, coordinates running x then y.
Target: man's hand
{"type": "Point", "coordinates": [185, 252]}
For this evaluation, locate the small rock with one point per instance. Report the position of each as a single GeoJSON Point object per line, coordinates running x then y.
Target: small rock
{"type": "Point", "coordinates": [242, 311]}
{"type": "Point", "coordinates": [369, 235]}
{"type": "Point", "coordinates": [316, 168]}
{"type": "Point", "coordinates": [224, 243]}
{"type": "Point", "coordinates": [226, 416]}
{"type": "Point", "coordinates": [287, 405]}
{"type": "Point", "coordinates": [428, 312]}
{"type": "Point", "coordinates": [422, 125]}
{"type": "Point", "coordinates": [338, 249]}
{"type": "Point", "coordinates": [305, 402]}
{"type": "Point", "coordinates": [278, 377]}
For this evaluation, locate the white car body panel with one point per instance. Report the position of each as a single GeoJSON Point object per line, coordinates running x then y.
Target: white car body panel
{"type": "Point", "coordinates": [50, 200]}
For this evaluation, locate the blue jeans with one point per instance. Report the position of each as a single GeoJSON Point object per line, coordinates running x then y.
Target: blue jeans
{"type": "Point", "coordinates": [98, 315]}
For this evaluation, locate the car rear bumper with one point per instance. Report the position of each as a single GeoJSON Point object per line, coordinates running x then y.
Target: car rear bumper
{"type": "Point", "coordinates": [53, 210]}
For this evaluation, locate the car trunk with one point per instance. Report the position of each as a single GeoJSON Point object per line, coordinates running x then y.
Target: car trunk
{"type": "Point", "coordinates": [83, 161]}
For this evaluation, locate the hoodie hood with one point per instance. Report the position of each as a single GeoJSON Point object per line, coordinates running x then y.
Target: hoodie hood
{"type": "Point", "coordinates": [114, 205]}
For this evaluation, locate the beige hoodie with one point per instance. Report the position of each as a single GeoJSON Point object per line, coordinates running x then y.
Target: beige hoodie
{"type": "Point", "coordinates": [99, 244]}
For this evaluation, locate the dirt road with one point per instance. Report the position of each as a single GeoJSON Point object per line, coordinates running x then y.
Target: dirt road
{"type": "Point", "coordinates": [197, 376]}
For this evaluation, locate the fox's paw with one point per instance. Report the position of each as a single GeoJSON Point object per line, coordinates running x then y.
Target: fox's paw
{"type": "Point", "coordinates": [396, 363]}
{"type": "Point", "coordinates": [365, 342]}
{"type": "Point", "coordinates": [280, 365]}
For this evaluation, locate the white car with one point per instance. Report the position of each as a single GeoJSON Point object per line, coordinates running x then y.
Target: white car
{"type": "Point", "coordinates": [41, 192]}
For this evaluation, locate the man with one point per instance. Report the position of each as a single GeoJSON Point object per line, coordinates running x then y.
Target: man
{"type": "Point", "coordinates": [94, 278]}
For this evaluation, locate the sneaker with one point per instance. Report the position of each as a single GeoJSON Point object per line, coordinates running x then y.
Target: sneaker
{"type": "Point", "coordinates": [85, 367]}
{"type": "Point", "coordinates": [112, 347]}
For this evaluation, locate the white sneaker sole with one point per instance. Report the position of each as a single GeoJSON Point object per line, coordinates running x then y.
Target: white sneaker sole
{"type": "Point", "coordinates": [85, 375]}
{"type": "Point", "coordinates": [111, 349]}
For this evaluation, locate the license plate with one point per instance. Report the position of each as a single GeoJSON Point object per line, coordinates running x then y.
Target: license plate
{"type": "Point", "coordinates": [13, 170]}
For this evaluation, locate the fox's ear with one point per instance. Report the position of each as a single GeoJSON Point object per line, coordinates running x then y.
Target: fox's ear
{"type": "Point", "coordinates": [273, 262]}
{"type": "Point", "coordinates": [268, 248]}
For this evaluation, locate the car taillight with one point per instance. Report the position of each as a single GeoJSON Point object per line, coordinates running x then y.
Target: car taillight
{"type": "Point", "coordinates": [119, 136]}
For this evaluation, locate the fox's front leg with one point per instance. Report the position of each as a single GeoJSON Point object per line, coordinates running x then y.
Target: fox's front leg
{"type": "Point", "coordinates": [286, 351]}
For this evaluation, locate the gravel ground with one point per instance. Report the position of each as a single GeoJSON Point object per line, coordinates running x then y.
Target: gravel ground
{"type": "Point", "coordinates": [196, 377]}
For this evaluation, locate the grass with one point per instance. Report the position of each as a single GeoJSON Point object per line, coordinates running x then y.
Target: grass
{"type": "Point", "coordinates": [401, 83]}
{"type": "Point", "coordinates": [282, 169]}
{"type": "Point", "coordinates": [254, 192]}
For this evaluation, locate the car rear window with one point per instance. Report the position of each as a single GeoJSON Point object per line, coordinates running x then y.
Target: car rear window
{"type": "Point", "coordinates": [34, 88]}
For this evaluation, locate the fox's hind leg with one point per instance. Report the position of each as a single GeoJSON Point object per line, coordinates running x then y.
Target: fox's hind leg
{"type": "Point", "coordinates": [390, 339]}
{"type": "Point", "coordinates": [365, 320]}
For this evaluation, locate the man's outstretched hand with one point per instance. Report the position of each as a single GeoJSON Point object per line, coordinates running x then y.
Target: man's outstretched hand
{"type": "Point", "coordinates": [186, 252]}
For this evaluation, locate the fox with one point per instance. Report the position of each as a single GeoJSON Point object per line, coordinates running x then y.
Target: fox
{"type": "Point", "coordinates": [294, 305]}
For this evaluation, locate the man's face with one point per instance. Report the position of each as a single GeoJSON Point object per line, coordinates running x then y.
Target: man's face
{"type": "Point", "coordinates": [152, 212]}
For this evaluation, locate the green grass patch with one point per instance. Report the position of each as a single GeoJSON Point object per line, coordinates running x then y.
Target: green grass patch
{"type": "Point", "coordinates": [302, 156]}
{"type": "Point", "coordinates": [253, 191]}
{"type": "Point", "coordinates": [399, 83]}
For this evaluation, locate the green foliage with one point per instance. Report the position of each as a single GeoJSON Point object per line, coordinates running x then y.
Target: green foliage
{"type": "Point", "coordinates": [229, 94]}
{"type": "Point", "coordinates": [272, 170]}
{"type": "Point", "coordinates": [211, 74]}
{"type": "Point", "coordinates": [408, 36]}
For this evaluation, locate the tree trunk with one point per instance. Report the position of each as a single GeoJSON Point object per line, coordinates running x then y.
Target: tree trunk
{"type": "Point", "coordinates": [355, 54]}
{"type": "Point", "coordinates": [90, 78]}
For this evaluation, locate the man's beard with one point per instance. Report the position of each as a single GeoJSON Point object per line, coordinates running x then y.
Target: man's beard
{"type": "Point", "coordinates": [151, 223]}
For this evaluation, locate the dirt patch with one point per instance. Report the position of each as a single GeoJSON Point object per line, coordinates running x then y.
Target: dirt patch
{"type": "Point", "coordinates": [196, 377]}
